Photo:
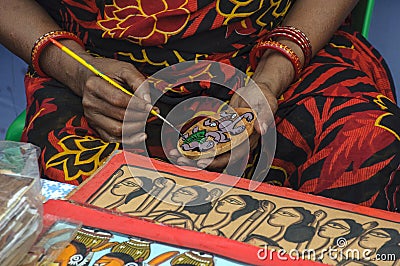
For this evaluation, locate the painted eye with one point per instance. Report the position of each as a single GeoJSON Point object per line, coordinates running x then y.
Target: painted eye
{"type": "Point", "coordinates": [75, 259]}
{"type": "Point", "coordinates": [184, 191]}
{"type": "Point", "coordinates": [337, 226]}
{"type": "Point", "coordinates": [201, 254]}
{"type": "Point", "coordinates": [139, 240]}
{"type": "Point", "coordinates": [380, 235]}
{"type": "Point", "coordinates": [213, 124]}
{"type": "Point", "coordinates": [130, 184]}
{"type": "Point", "coordinates": [233, 201]}
{"type": "Point", "coordinates": [131, 264]}
{"type": "Point", "coordinates": [287, 214]}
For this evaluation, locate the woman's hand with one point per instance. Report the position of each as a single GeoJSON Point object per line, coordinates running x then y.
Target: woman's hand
{"type": "Point", "coordinates": [261, 99]}
{"type": "Point", "coordinates": [104, 105]}
{"type": "Point", "coordinates": [264, 103]}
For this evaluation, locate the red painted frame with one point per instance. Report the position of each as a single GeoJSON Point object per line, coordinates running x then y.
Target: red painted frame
{"type": "Point", "coordinates": [147, 229]}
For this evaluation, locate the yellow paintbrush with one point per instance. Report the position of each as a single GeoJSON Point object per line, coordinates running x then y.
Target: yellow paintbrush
{"type": "Point", "coordinates": [106, 78]}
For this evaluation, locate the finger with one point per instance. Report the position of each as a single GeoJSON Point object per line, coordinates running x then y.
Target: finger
{"type": "Point", "coordinates": [133, 132]}
{"type": "Point", "coordinates": [107, 137]}
{"type": "Point", "coordinates": [104, 91]}
{"type": "Point", "coordinates": [184, 161]}
{"type": "Point", "coordinates": [267, 112]}
{"type": "Point", "coordinates": [135, 140]}
{"type": "Point", "coordinates": [205, 163]}
{"type": "Point", "coordinates": [101, 89]}
{"type": "Point", "coordinates": [110, 127]}
{"type": "Point", "coordinates": [132, 115]}
{"type": "Point", "coordinates": [139, 105]}
{"type": "Point", "coordinates": [92, 104]}
{"type": "Point", "coordinates": [260, 126]}
{"type": "Point", "coordinates": [221, 162]}
{"type": "Point", "coordinates": [174, 154]}
{"type": "Point", "coordinates": [179, 159]}
{"type": "Point", "coordinates": [133, 127]}
{"type": "Point", "coordinates": [238, 101]}
{"type": "Point", "coordinates": [235, 100]}
{"type": "Point", "coordinates": [136, 81]}
{"type": "Point", "coordinates": [217, 164]}
{"type": "Point", "coordinates": [265, 119]}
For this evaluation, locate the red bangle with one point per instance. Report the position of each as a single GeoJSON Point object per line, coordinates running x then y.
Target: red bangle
{"type": "Point", "coordinates": [44, 41]}
{"type": "Point", "coordinates": [295, 35]}
{"type": "Point", "coordinates": [260, 48]}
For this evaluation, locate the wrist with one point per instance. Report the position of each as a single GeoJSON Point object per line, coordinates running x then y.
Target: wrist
{"type": "Point", "coordinates": [60, 66]}
{"type": "Point", "coordinates": [274, 72]}
{"type": "Point", "coordinates": [282, 45]}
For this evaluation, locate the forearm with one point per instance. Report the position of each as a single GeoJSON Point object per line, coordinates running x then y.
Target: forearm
{"type": "Point", "coordinates": [23, 22]}
{"type": "Point", "coordinates": [318, 19]}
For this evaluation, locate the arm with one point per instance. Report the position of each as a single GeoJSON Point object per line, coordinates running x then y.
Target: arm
{"type": "Point", "coordinates": [318, 19]}
{"type": "Point", "coordinates": [104, 105]}
{"type": "Point", "coordinates": [19, 36]}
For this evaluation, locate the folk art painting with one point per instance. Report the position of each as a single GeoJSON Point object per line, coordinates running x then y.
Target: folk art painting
{"type": "Point", "coordinates": [214, 135]}
{"type": "Point", "coordinates": [99, 247]}
{"type": "Point", "coordinates": [221, 211]}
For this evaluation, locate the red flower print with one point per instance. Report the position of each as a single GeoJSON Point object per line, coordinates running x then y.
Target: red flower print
{"type": "Point", "coordinates": [144, 22]}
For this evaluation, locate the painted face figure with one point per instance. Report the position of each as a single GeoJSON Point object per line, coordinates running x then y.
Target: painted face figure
{"type": "Point", "coordinates": [67, 253]}
{"type": "Point", "coordinates": [334, 228]}
{"type": "Point", "coordinates": [230, 204]}
{"type": "Point", "coordinates": [184, 195]}
{"type": "Point", "coordinates": [126, 186]}
{"type": "Point", "coordinates": [285, 217]}
{"type": "Point", "coordinates": [70, 255]}
{"type": "Point", "coordinates": [374, 239]}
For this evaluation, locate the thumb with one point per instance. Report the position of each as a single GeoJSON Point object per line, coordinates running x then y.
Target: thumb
{"type": "Point", "coordinates": [265, 117]}
{"type": "Point", "coordinates": [260, 124]}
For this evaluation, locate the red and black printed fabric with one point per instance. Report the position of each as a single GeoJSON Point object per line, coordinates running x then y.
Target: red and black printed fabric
{"type": "Point", "coordinates": [338, 129]}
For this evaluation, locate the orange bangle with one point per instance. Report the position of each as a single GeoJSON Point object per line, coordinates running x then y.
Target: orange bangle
{"type": "Point", "coordinates": [295, 35]}
{"type": "Point", "coordinates": [43, 41]}
{"type": "Point", "coordinates": [262, 46]}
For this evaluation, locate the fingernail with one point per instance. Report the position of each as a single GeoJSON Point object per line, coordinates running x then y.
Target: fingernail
{"type": "Point", "coordinates": [204, 163]}
{"type": "Point", "coordinates": [202, 166]}
{"type": "Point", "coordinates": [148, 107]}
{"type": "Point", "coordinates": [264, 127]}
{"type": "Point", "coordinates": [180, 161]}
{"type": "Point", "coordinates": [147, 98]}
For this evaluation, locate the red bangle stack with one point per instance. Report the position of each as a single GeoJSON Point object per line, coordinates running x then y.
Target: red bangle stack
{"type": "Point", "coordinates": [290, 33]}
{"type": "Point", "coordinates": [296, 36]}
{"type": "Point", "coordinates": [262, 46]}
{"type": "Point", "coordinates": [44, 41]}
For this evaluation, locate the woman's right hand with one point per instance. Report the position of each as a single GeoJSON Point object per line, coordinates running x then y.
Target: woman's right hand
{"type": "Point", "coordinates": [104, 105]}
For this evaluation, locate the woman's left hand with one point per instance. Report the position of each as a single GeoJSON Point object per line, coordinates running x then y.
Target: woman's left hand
{"type": "Point", "coordinates": [264, 103]}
